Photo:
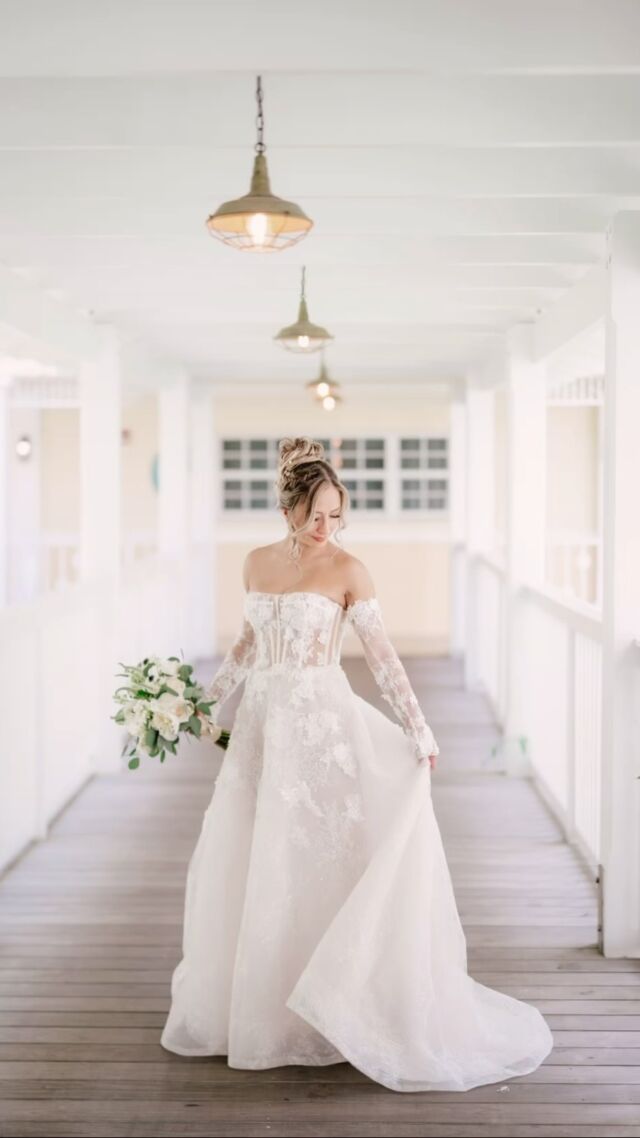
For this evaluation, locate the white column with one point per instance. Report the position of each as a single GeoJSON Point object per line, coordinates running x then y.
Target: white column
{"type": "Point", "coordinates": [5, 383]}
{"type": "Point", "coordinates": [174, 510]}
{"type": "Point", "coordinates": [100, 384]}
{"type": "Point", "coordinates": [458, 519]}
{"type": "Point", "coordinates": [100, 430]}
{"type": "Point", "coordinates": [526, 461]}
{"type": "Point", "coordinates": [621, 595]}
{"type": "Point", "coordinates": [526, 512]}
{"type": "Point", "coordinates": [203, 512]}
{"type": "Point", "coordinates": [479, 494]}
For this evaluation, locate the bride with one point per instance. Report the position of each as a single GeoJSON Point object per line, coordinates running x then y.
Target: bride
{"type": "Point", "coordinates": [320, 923]}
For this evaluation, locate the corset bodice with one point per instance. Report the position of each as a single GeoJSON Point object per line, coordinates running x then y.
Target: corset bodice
{"type": "Point", "coordinates": [301, 629]}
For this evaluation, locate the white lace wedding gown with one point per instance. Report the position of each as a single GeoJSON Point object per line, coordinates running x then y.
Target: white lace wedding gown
{"type": "Point", "coordinates": [320, 923]}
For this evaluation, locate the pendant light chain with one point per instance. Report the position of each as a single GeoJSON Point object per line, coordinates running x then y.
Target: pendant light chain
{"type": "Point", "coordinates": [260, 147]}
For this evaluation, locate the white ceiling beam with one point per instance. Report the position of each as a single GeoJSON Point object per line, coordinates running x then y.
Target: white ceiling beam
{"type": "Point", "coordinates": [410, 109]}
{"type": "Point", "coordinates": [73, 37]}
{"type": "Point", "coordinates": [337, 252]}
{"type": "Point", "coordinates": [324, 174]}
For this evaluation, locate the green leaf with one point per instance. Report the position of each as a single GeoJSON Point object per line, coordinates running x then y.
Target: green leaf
{"type": "Point", "coordinates": [151, 737]}
{"type": "Point", "coordinates": [133, 763]}
{"type": "Point", "coordinates": [184, 672]}
{"type": "Point", "coordinates": [195, 725]}
{"type": "Point", "coordinates": [204, 706]}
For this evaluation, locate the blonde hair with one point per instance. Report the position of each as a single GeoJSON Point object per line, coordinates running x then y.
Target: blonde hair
{"type": "Point", "coordinates": [302, 472]}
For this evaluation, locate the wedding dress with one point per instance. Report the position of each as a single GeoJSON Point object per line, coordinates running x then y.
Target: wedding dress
{"type": "Point", "coordinates": [320, 924]}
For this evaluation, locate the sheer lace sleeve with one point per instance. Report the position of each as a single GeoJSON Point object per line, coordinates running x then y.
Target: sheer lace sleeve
{"type": "Point", "coordinates": [390, 675]}
{"type": "Point", "coordinates": [235, 665]}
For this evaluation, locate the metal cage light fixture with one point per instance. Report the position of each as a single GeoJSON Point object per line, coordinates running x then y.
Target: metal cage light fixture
{"type": "Point", "coordinates": [303, 336]}
{"type": "Point", "coordinates": [259, 221]}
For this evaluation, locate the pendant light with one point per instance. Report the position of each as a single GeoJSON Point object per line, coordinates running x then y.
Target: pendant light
{"type": "Point", "coordinates": [259, 220]}
{"type": "Point", "coordinates": [303, 336]}
{"type": "Point", "coordinates": [323, 389]}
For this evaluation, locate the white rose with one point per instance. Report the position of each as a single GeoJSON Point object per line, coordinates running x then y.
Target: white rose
{"type": "Point", "coordinates": [170, 667]}
{"type": "Point", "coordinates": [166, 724]}
{"type": "Point", "coordinates": [168, 712]}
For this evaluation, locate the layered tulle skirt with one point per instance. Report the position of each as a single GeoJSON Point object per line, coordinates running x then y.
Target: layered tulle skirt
{"type": "Point", "coordinates": [320, 923]}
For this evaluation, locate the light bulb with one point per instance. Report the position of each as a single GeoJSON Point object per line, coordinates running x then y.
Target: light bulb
{"type": "Point", "coordinates": [328, 402]}
{"type": "Point", "coordinates": [258, 227]}
{"type": "Point", "coordinates": [303, 341]}
{"type": "Point", "coordinates": [322, 389]}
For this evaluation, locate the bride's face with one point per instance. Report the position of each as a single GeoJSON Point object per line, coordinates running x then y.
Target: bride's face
{"type": "Point", "coordinates": [324, 521]}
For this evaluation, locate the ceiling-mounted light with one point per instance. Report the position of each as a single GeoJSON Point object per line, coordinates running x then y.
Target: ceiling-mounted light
{"type": "Point", "coordinates": [330, 402]}
{"type": "Point", "coordinates": [259, 220]}
{"type": "Point", "coordinates": [325, 390]}
{"type": "Point", "coordinates": [303, 336]}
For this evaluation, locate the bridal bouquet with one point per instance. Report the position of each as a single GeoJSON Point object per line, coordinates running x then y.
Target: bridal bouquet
{"type": "Point", "coordinates": [159, 700]}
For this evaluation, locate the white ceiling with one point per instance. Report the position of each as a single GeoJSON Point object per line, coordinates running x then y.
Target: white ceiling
{"type": "Point", "coordinates": [461, 160]}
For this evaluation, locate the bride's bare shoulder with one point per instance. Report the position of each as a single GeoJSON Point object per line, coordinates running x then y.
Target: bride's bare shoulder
{"type": "Point", "coordinates": [359, 582]}
{"type": "Point", "coordinates": [258, 558]}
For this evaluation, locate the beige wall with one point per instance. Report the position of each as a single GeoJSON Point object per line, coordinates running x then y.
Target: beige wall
{"type": "Point", "coordinates": [60, 467]}
{"type": "Point", "coordinates": [572, 466]}
{"type": "Point", "coordinates": [60, 470]}
{"type": "Point", "coordinates": [572, 497]}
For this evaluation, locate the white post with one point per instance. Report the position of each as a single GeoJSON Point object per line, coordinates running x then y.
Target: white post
{"type": "Point", "coordinates": [5, 383]}
{"type": "Point", "coordinates": [100, 382]}
{"type": "Point", "coordinates": [526, 509]}
{"type": "Point", "coordinates": [174, 513]}
{"type": "Point", "coordinates": [479, 494]}
{"type": "Point", "coordinates": [621, 596]}
{"type": "Point", "coordinates": [458, 519]}
{"type": "Point", "coordinates": [202, 493]}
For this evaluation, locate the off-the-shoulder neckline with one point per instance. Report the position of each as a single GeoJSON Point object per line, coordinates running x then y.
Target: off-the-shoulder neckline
{"type": "Point", "coordinates": [309, 593]}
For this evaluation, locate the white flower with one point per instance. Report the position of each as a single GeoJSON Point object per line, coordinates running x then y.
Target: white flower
{"type": "Point", "coordinates": [176, 685]}
{"type": "Point", "coordinates": [155, 668]}
{"type": "Point", "coordinates": [170, 667]}
{"type": "Point", "coordinates": [136, 714]}
{"type": "Point", "coordinates": [167, 725]}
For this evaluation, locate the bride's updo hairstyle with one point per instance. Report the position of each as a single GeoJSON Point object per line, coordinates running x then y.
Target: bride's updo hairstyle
{"type": "Point", "coordinates": [302, 472]}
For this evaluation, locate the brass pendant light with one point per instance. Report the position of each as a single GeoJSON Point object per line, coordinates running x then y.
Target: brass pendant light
{"type": "Point", "coordinates": [303, 336]}
{"type": "Point", "coordinates": [259, 221]}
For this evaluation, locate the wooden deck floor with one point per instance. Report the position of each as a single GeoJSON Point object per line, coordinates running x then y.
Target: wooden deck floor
{"type": "Point", "coordinates": [91, 924]}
